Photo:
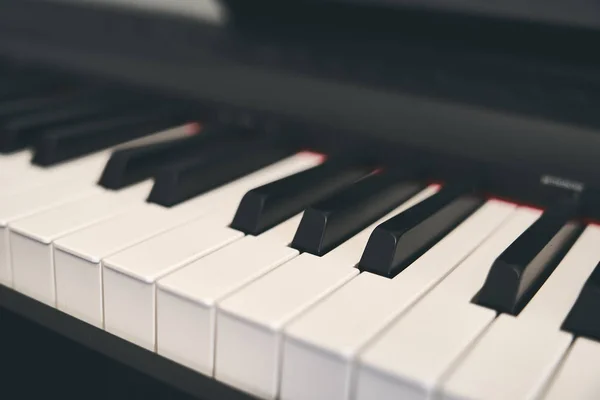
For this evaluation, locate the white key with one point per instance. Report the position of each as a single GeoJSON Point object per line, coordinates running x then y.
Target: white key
{"type": "Point", "coordinates": [14, 161]}
{"type": "Point", "coordinates": [320, 346]}
{"type": "Point", "coordinates": [517, 355]}
{"type": "Point", "coordinates": [554, 300]}
{"type": "Point", "coordinates": [30, 202]}
{"type": "Point", "coordinates": [130, 275]}
{"type": "Point", "coordinates": [83, 172]}
{"type": "Point", "coordinates": [349, 254]}
{"type": "Point", "coordinates": [577, 378]}
{"type": "Point", "coordinates": [187, 299]}
{"type": "Point", "coordinates": [284, 232]}
{"type": "Point", "coordinates": [181, 299]}
{"type": "Point", "coordinates": [250, 322]}
{"type": "Point", "coordinates": [411, 356]}
{"type": "Point", "coordinates": [346, 256]}
{"type": "Point", "coordinates": [78, 256]}
{"type": "Point", "coordinates": [530, 353]}
{"type": "Point", "coordinates": [31, 237]}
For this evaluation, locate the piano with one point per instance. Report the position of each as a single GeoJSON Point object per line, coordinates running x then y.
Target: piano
{"type": "Point", "coordinates": [299, 200]}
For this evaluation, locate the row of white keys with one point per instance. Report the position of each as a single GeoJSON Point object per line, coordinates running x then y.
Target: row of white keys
{"type": "Point", "coordinates": [250, 322]}
{"type": "Point", "coordinates": [29, 202]}
{"type": "Point", "coordinates": [130, 276]}
{"type": "Point", "coordinates": [516, 356]}
{"type": "Point", "coordinates": [577, 377]}
{"type": "Point", "coordinates": [78, 256]}
{"type": "Point", "coordinates": [320, 347]}
{"type": "Point", "coordinates": [186, 299]}
{"type": "Point", "coordinates": [30, 189]}
{"type": "Point", "coordinates": [411, 356]}
{"type": "Point", "coordinates": [31, 238]}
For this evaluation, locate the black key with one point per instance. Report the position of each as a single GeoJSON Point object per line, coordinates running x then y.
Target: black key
{"type": "Point", "coordinates": [583, 319]}
{"type": "Point", "coordinates": [133, 164]}
{"type": "Point", "coordinates": [398, 242]}
{"type": "Point", "coordinates": [330, 222]}
{"type": "Point", "coordinates": [271, 204]}
{"type": "Point", "coordinates": [192, 177]}
{"type": "Point", "coordinates": [73, 141]}
{"type": "Point", "coordinates": [518, 273]}
{"type": "Point", "coordinates": [25, 129]}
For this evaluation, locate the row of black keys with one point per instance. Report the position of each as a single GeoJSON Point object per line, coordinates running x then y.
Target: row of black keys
{"type": "Point", "coordinates": [339, 198]}
{"type": "Point", "coordinates": [62, 119]}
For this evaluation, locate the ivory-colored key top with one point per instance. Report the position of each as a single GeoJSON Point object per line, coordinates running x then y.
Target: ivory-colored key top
{"type": "Point", "coordinates": [28, 203]}
{"type": "Point", "coordinates": [250, 322]}
{"type": "Point", "coordinates": [321, 345]}
{"type": "Point", "coordinates": [31, 238]}
{"type": "Point", "coordinates": [130, 276]}
{"type": "Point", "coordinates": [412, 356]}
{"type": "Point", "coordinates": [187, 299]}
{"type": "Point", "coordinates": [531, 344]}
{"type": "Point", "coordinates": [577, 377]}
{"type": "Point", "coordinates": [78, 256]}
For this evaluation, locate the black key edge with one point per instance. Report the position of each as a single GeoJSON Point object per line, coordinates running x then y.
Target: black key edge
{"type": "Point", "coordinates": [133, 164]}
{"type": "Point", "coordinates": [313, 221]}
{"type": "Point", "coordinates": [252, 216]}
{"type": "Point", "coordinates": [502, 289]}
{"type": "Point", "coordinates": [386, 253]}
{"type": "Point", "coordinates": [176, 185]}
{"type": "Point", "coordinates": [54, 148]}
{"type": "Point", "coordinates": [582, 319]}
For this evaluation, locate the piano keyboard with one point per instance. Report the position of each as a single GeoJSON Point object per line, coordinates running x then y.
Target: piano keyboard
{"type": "Point", "coordinates": [285, 273]}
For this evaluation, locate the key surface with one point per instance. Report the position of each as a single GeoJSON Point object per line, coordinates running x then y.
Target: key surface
{"type": "Point", "coordinates": [78, 256]}
{"type": "Point", "coordinates": [513, 360]}
{"type": "Point", "coordinates": [414, 353]}
{"type": "Point", "coordinates": [264, 207]}
{"type": "Point", "coordinates": [19, 178]}
{"type": "Point", "coordinates": [332, 221]}
{"type": "Point", "coordinates": [187, 299]}
{"type": "Point", "coordinates": [129, 276]}
{"type": "Point", "coordinates": [581, 319]}
{"type": "Point", "coordinates": [524, 266]}
{"type": "Point", "coordinates": [190, 295]}
{"type": "Point", "coordinates": [322, 344]}
{"type": "Point", "coordinates": [249, 323]}
{"type": "Point", "coordinates": [531, 344]}
{"type": "Point", "coordinates": [31, 237]}
{"type": "Point", "coordinates": [28, 202]}
{"type": "Point", "coordinates": [577, 377]}
{"type": "Point", "coordinates": [396, 243]}
{"type": "Point", "coordinates": [143, 264]}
